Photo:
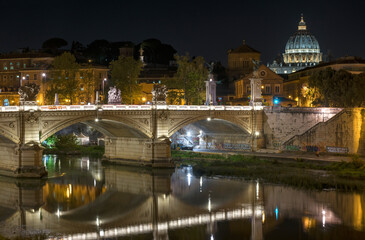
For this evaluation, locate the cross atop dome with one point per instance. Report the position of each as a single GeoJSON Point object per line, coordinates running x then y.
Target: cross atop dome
{"type": "Point", "coordinates": [302, 25]}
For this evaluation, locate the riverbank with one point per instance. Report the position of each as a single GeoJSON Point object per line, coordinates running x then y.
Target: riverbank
{"type": "Point", "coordinates": [300, 172]}
{"type": "Point", "coordinates": [77, 150]}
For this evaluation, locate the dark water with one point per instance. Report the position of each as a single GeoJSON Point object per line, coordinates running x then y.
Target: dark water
{"type": "Point", "coordinates": [82, 199]}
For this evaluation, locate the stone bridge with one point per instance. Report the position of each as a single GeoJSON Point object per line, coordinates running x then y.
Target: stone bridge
{"type": "Point", "coordinates": [140, 134]}
{"type": "Point", "coordinates": [135, 134]}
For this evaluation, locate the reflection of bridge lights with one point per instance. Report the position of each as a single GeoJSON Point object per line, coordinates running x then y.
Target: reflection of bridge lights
{"type": "Point", "coordinates": [211, 237]}
{"type": "Point", "coordinates": [189, 179]}
{"type": "Point", "coordinates": [208, 119]}
{"type": "Point", "coordinates": [323, 218]}
{"type": "Point", "coordinates": [97, 221]}
{"type": "Point", "coordinates": [201, 184]}
{"type": "Point", "coordinates": [222, 215]}
{"type": "Point", "coordinates": [263, 216]}
{"type": "Point", "coordinates": [96, 119]}
{"type": "Point", "coordinates": [257, 190]}
{"type": "Point", "coordinates": [58, 213]}
{"type": "Point", "coordinates": [209, 204]}
{"type": "Point", "coordinates": [276, 213]}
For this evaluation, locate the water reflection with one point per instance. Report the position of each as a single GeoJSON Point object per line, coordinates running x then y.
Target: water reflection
{"type": "Point", "coordinates": [83, 199]}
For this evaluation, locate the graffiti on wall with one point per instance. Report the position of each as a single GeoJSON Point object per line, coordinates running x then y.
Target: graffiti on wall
{"type": "Point", "coordinates": [312, 148]}
{"type": "Point", "coordinates": [292, 148]}
{"type": "Point", "coordinates": [236, 146]}
{"type": "Point", "coordinates": [337, 149]}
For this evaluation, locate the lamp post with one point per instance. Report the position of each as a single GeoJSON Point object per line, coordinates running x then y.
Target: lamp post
{"type": "Point", "coordinates": [21, 81]}
{"type": "Point", "coordinates": [44, 87]}
{"type": "Point", "coordinates": [103, 90]}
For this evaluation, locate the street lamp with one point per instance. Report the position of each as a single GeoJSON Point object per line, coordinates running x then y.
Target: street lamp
{"type": "Point", "coordinates": [103, 90]}
{"type": "Point", "coordinates": [43, 85]}
{"type": "Point", "coordinates": [21, 80]}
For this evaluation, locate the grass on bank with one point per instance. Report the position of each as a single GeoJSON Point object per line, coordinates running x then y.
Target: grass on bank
{"type": "Point", "coordinates": [307, 174]}
{"type": "Point", "coordinates": [77, 150]}
{"type": "Point", "coordinates": [69, 145]}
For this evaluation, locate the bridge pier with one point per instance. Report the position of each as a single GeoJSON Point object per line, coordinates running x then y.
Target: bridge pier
{"type": "Point", "coordinates": [30, 161]}
{"type": "Point", "coordinates": [138, 151]}
{"type": "Point", "coordinates": [20, 149]}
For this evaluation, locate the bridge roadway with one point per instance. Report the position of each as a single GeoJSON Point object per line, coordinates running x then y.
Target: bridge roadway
{"type": "Point", "coordinates": [28, 208]}
{"type": "Point", "coordinates": [135, 134]}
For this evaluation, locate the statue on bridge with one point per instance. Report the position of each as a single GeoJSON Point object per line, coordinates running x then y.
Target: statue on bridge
{"type": "Point", "coordinates": [210, 87]}
{"type": "Point", "coordinates": [114, 96]}
{"type": "Point", "coordinates": [159, 94]}
{"type": "Point", "coordinates": [255, 83]}
{"type": "Point", "coordinates": [28, 93]}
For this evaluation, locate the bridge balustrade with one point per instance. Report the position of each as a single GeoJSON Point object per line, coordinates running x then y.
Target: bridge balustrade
{"type": "Point", "coordinates": [124, 107]}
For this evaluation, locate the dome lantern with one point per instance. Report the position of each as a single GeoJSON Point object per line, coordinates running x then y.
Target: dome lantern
{"type": "Point", "coordinates": [302, 25]}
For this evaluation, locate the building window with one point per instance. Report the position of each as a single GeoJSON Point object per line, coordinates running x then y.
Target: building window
{"type": "Point", "coordinates": [99, 75]}
{"type": "Point", "coordinates": [24, 65]}
{"type": "Point", "coordinates": [4, 77]}
{"type": "Point", "coordinates": [18, 65]}
{"type": "Point", "coordinates": [248, 90]}
{"type": "Point", "coordinates": [35, 76]}
{"type": "Point", "coordinates": [27, 77]}
{"type": "Point", "coordinates": [277, 89]}
{"type": "Point", "coordinates": [5, 68]}
{"type": "Point", "coordinates": [268, 89]}
{"type": "Point", "coordinates": [11, 77]}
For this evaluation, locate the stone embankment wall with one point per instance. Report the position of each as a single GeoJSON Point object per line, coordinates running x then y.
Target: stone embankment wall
{"type": "Point", "coordinates": [281, 124]}
{"type": "Point", "coordinates": [232, 142]}
{"type": "Point", "coordinates": [344, 133]}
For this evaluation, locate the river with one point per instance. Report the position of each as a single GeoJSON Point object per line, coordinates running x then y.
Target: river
{"type": "Point", "coordinates": [83, 199]}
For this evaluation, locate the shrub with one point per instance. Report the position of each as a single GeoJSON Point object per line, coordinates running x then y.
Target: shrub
{"type": "Point", "coordinates": [357, 161]}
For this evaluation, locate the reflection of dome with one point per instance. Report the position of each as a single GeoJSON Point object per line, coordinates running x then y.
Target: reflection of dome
{"type": "Point", "coordinates": [302, 47]}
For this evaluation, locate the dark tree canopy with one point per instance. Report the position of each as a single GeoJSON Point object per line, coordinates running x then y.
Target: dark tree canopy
{"type": "Point", "coordinates": [220, 73]}
{"type": "Point", "coordinates": [54, 43]}
{"type": "Point", "coordinates": [337, 88]}
{"type": "Point", "coordinates": [98, 51]}
{"type": "Point", "coordinates": [155, 52]}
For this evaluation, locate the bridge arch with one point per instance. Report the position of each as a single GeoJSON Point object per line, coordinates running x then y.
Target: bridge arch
{"type": "Point", "coordinates": [242, 123]}
{"type": "Point", "coordinates": [115, 128]}
{"type": "Point", "coordinates": [7, 136]}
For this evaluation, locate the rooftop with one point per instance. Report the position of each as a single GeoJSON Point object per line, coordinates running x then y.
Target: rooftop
{"type": "Point", "coordinates": [244, 48]}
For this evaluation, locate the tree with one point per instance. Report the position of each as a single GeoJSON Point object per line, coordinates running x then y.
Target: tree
{"type": "Point", "coordinates": [63, 78]}
{"type": "Point", "coordinates": [337, 88]}
{"type": "Point", "coordinates": [220, 72]}
{"type": "Point", "coordinates": [191, 76]}
{"type": "Point", "coordinates": [98, 51]}
{"type": "Point", "coordinates": [124, 75]}
{"type": "Point", "coordinates": [88, 84]}
{"type": "Point", "coordinates": [54, 43]}
{"type": "Point", "coordinates": [155, 52]}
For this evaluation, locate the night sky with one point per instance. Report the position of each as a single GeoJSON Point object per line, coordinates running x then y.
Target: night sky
{"type": "Point", "coordinates": [206, 28]}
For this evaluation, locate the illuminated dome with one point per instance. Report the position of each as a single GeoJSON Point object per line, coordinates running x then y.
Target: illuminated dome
{"type": "Point", "coordinates": [302, 48]}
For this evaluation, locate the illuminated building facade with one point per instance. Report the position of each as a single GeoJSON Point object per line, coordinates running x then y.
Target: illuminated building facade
{"type": "Point", "coordinates": [302, 50]}
{"type": "Point", "coordinates": [18, 69]}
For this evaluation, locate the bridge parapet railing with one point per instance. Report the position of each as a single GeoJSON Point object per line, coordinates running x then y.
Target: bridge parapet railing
{"type": "Point", "coordinates": [125, 107]}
